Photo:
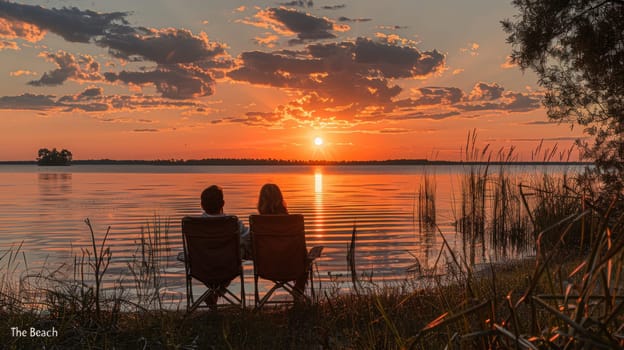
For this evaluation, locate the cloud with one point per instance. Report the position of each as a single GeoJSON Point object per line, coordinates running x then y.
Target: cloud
{"type": "Point", "coordinates": [145, 130]}
{"type": "Point", "coordinates": [289, 22]}
{"type": "Point", "coordinates": [485, 92]}
{"type": "Point", "coordinates": [186, 64]}
{"type": "Point", "coordinates": [508, 64]}
{"type": "Point", "coordinates": [299, 3]}
{"type": "Point", "coordinates": [333, 7]}
{"type": "Point", "coordinates": [91, 99]}
{"type": "Point", "coordinates": [91, 93]}
{"type": "Point", "coordinates": [344, 80]}
{"type": "Point", "coordinates": [175, 82]}
{"type": "Point", "coordinates": [341, 71]}
{"type": "Point", "coordinates": [347, 19]}
{"type": "Point", "coordinates": [540, 122]}
{"type": "Point", "coordinates": [163, 46]}
{"type": "Point", "coordinates": [8, 45]}
{"type": "Point", "coordinates": [268, 40]}
{"type": "Point", "coordinates": [391, 27]}
{"type": "Point", "coordinates": [562, 138]}
{"type": "Point", "coordinates": [433, 96]}
{"type": "Point", "coordinates": [82, 68]}
{"type": "Point", "coordinates": [28, 102]}
{"type": "Point", "coordinates": [72, 24]}
{"type": "Point", "coordinates": [493, 97]}
{"type": "Point", "coordinates": [20, 72]}
{"type": "Point", "coordinates": [11, 29]}
{"type": "Point", "coordinates": [394, 131]}
{"type": "Point", "coordinates": [425, 115]}
{"type": "Point", "coordinates": [472, 49]}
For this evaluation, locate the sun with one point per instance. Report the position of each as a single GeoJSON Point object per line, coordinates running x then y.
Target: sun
{"type": "Point", "coordinates": [318, 141]}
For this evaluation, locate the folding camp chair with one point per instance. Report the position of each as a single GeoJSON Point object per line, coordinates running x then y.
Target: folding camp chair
{"type": "Point", "coordinates": [212, 256]}
{"type": "Point", "coordinates": [280, 255]}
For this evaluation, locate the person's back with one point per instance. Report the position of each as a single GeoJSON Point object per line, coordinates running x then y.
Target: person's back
{"type": "Point", "coordinates": [212, 203]}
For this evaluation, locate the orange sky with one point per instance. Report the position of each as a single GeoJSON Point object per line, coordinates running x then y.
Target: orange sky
{"type": "Point", "coordinates": [161, 80]}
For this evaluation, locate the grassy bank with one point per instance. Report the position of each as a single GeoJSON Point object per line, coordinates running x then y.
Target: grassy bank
{"type": "Point", "coordinates": [523, 305]}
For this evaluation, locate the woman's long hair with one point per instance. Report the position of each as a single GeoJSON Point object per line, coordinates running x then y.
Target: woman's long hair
{"type": "Point", "coordinates": [271, 200]}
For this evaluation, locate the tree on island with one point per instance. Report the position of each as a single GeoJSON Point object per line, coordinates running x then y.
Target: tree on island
{"type": "Point", "coordinates": [54, 157]}
{"type": "Point", "coordinates": [577, 49]}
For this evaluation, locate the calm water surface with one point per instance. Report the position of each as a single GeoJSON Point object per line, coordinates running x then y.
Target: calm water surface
{"type": "Point", "coordinates": [45, 208]}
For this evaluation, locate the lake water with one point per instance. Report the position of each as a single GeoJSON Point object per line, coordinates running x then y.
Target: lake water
{"type": "Point", "coordinates": [44, 209]}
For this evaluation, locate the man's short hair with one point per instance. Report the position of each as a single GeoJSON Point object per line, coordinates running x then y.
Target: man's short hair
{"type": "Point", "coordinates": [212, 200]}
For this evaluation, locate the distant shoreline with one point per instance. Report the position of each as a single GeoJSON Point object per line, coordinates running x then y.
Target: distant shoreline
{"type": "Point", "coordinates": [280, 162]}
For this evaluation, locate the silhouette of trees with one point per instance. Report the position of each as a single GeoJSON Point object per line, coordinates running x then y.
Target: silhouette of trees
{"type": "Point", "coordinates": [54, 157]}
{"type": "Point", "coordinates": [577, 49]}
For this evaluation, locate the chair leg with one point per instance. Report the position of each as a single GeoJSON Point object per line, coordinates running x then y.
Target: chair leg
{"type": "Point", "coordinates": [256, 294]}
{"type": "Point", "coordinates": [266, 297]}
{"type": "Point", "coordinates": [312, 284]}
{"type": "Point", "coordinates": [242, 291]}
{"type": "Point", "coordinates": [189, 292]}
{"type": "Point", "coordinates": [201, 299]}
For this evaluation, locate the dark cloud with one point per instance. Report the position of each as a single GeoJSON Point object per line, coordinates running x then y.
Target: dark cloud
{"type": "Point", "coordinates": [299, 3]}
{"type": "Point", "coordinates": [333, 7]}
{"type": "Point", "coordinates": [305, 26]}
{"type": "Point", "coordinates": [146, 130]}
{"type": "Point", "coordinates": [392, 27]}
{"type": "Point", "coordinates": [344, 81]}
{"type": "Point", "coordinates": [425, 115]}
{"type": "Point", "coordinates": [433, 96]}
{"type": "Point", "coordinates": [507, 101]}
{"type": "Point", "coordinates": [486, 92]}
{"type": "Point", "coordinates": [91, 93]}
{"type": "Point", "coordinates": [522, 102]}
{"type": "Point", "coordinates": [175, 82]}
{"type": "Point", "coordinates": [72, 24]}
{"type": "Point", "coordinates": [347, 19]}
{"type": "Point", "coordinates": [91, 100]}
{"type": "Point", "coordinates": [82, 68]}
{"type": "Point", "coordinates": [28, 101]}
{"type": "Point", "coordinates": [395, 61]}
{"type": "Point", "coordinates": [164, 46]}
{"type": "Point", "coordinates": [186, 64]}
{"type": "Point", "coordinates": [394, 131]}
{"type": "Point", "coordinates": [540, 122]}
{"type": "Point", "coordinates": [563, 138]}
{"type": "Point", "coordinates": [363, 58]}
{"type": "Point", "coordinates": [86, 95]}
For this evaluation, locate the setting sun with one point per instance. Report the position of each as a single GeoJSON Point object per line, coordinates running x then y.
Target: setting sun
{"type": "Point", "coordinates": [318, 141]}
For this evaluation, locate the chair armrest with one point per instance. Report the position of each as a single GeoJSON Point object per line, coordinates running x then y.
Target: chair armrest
{"type": "Point", "coordinates": [315, 252]}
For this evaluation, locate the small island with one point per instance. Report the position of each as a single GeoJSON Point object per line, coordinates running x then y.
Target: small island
{"type": "Point", "coordinates": [54, 157]}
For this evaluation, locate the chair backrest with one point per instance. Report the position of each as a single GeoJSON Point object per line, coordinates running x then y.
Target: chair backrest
{"type": "Point", "coordinates": [279, 246]}
{"type": "Point", "coordinates": [211, 248]}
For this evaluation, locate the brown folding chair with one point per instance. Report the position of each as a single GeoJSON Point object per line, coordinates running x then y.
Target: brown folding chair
{"type": "Point", "coordinates": [212, 256]}
{"type": "Point", "coordinates": [280, 255]}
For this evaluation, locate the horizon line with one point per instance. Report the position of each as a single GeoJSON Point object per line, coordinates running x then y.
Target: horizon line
{"type": "Point", "coordinates": [275, 161]}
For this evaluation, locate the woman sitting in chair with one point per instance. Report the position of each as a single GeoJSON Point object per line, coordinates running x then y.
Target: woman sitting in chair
{"type": "Point", "coordinates": [271, 202]}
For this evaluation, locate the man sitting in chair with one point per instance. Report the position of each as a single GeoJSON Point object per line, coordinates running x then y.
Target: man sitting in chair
{"type": "Point", "coordinates": [212, 204]}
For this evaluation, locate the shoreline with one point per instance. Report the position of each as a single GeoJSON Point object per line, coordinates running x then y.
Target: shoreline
{"type": "Point", "coordinates": [275, 162]}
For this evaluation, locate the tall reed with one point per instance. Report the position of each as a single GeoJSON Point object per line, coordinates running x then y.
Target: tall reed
{"type": "Point", "coordinates": [473, 198]}
{"type": "Point", "coordinates": [149, 262]}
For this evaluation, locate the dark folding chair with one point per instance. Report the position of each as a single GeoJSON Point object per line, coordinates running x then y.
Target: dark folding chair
{"type": "Point", "coordinates": [212, 256]}
{"type": "Point", "coordinates": [280, 255]}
